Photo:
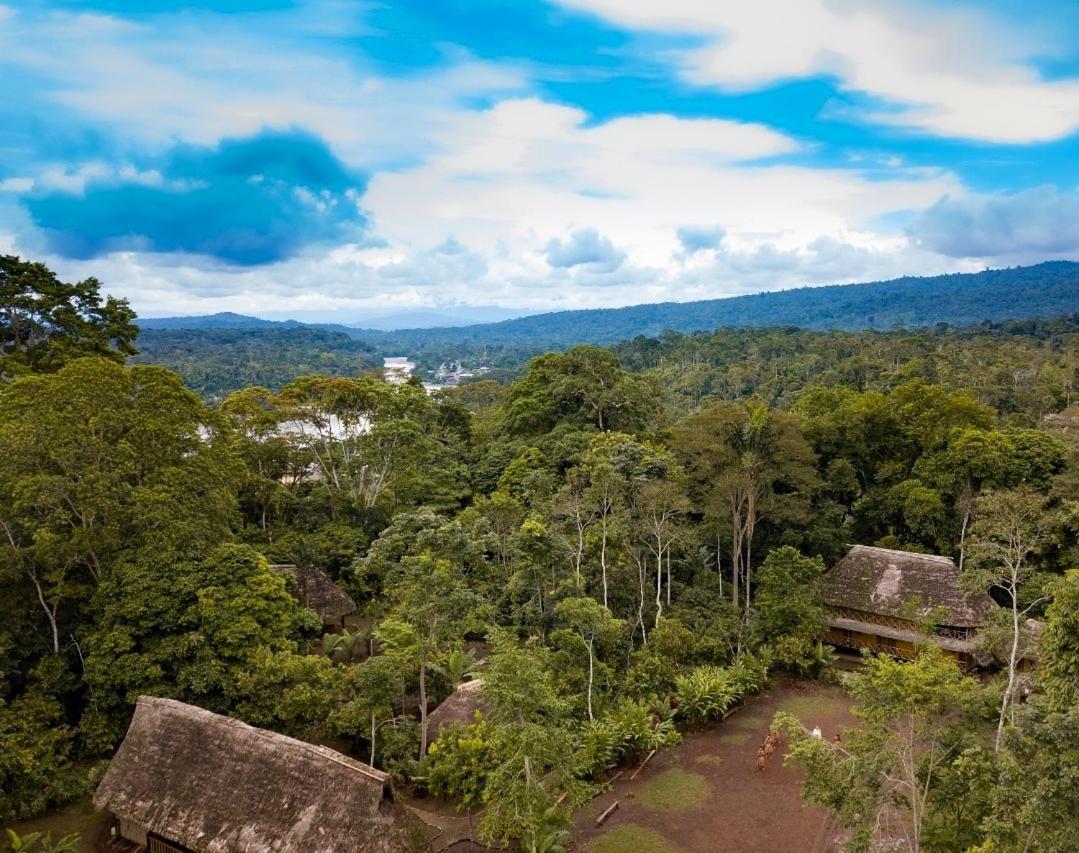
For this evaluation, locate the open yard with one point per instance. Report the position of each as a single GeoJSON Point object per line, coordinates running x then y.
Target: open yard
{"type": "Point", "coordinates": [707, 795]}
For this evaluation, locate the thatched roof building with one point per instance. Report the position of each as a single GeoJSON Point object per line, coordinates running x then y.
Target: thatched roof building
{"type": "Point", "coordinates": [314, 589]}
{"type": "Point", "coordinates": [459, 707]}
{"type": "Point", "coordinates": [188, 779]}
{"type": "Point", "coordinates": [875, 597]}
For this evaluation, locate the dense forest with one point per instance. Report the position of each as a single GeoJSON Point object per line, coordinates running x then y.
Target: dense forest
{"type": "Point", "coordinates": [972, 300]}
{"type": "Point", "coordinates": [622, 543]}
{"type": "Point", "coordinates": [213, 362]}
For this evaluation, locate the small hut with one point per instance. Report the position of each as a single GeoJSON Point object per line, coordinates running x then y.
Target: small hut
{"type": "Point", "coordinates": [314, 589]}
{"type": "Point", "coordinates": [459, 707]}
{"type": "Point", "coordinates": [876, 596]}
{"type": "Point", "coordinates": [186, 779]}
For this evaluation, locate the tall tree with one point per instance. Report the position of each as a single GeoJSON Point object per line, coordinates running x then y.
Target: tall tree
{"type": "Point", "coordinates": [881, 779]}
{"type": "Point", "coordinates": [45, 323]}
{"type": "Point", "coordinates": [1012, 527]}
{"type": "Point", "coordinates": [99, 460]}
{"type": "Point", "coordinates": [586, 386]}
{"type": "Point", "coordinates": [431, 608]}
{"type": "Point", "coordinates": [753, 463]}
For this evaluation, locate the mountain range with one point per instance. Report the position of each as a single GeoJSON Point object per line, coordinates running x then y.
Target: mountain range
{"type": "Point", "coordinates": [1043, 290]}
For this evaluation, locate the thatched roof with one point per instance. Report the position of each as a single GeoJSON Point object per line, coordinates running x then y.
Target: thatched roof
{"type": "Point", "coordinates": [460, 707]}
{"type": "Point", "coordinates": [886, 582]}
{"type": "Point", "coordinates": [215, 784]}
{"type": "Point", "coordinates": [314, 589]}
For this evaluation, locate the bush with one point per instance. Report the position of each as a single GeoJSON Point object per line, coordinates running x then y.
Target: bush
{"type": "Point", "coordinates": [706, 693]}
{"type": "Point", "coordinates": [628, 730]}
{"type": "Point", "coordinates": [459, 763]}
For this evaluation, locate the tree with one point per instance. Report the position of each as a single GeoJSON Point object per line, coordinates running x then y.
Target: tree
{"type": "Point", "coordinates": [375, 683]}
{"type": "Point", "coordinates": [748, 463]}
{"type": "Point", "coordinates": [45, 323]}
{"type": "Point", "coordinates": [366, 437]}
{"type": "Point", "coordinates": [431, 608]}
{"type": "Point", "coordinates": [585, 385]}
{"type": "Point", "coordinates": [880, 780]}
{"type": "Point", "coordinates": [1036, 799]}
{"type": "Point", "coordinates": [590, 623]}
{"type": "Point", "coordinates": [100, 460]}
{"type": "Point", "coordinates": [789, 612]}
{"type": "Point", "coordinates": [172, 624]}
{"type": "Point", "coordinates": [1012, 526]}
{"type": "Point", "coordinates": [533, 784]}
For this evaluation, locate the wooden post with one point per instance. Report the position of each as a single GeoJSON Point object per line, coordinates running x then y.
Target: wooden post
{"type": "Point", "coordinates": [647, 758]}
{"type": "Point", "coordinates": [607, 813]}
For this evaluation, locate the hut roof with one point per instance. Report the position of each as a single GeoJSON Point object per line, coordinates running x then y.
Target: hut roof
{"type": "Point", "coordinates": [459, 707]}
{"type": "Point", "coordinates": [884, 582]}
{"type": "Point", "coordinates": [215, 784]}
{"type": "Point", "coordinates": [314, 589]}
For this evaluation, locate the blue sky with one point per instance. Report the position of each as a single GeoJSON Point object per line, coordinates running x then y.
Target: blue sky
{"type": "Point", "coordinates": [335, 159]}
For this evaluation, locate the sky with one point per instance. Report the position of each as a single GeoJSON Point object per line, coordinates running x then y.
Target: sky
{"type": "Point", "coordinates": [323, 159]}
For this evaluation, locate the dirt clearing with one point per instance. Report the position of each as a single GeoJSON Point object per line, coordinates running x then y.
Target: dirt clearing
{"type": "Point", "coordinates": [707, 795]}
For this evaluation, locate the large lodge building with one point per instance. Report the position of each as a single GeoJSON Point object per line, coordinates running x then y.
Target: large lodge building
{"type": "Point", "coordinates": [877, 599]}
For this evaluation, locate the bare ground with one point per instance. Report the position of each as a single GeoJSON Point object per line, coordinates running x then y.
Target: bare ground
{"type": "Point", "coordinates": [707, 796]}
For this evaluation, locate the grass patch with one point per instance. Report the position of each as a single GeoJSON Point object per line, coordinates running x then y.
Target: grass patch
{"type": "Point", "coordinates": [804, 707]}
{"type": "Point", "coordinates": [80, 818]}
{"type": "Point", "coordinates": [708, 759]}
{"type": "Point", "coordinates": [735, 738]}
{"type": "Point", "coordinates": [630, 838]}
{"type": "Point", "coordinates": [747, 721]}
{"type": "Point", "coordinates": [674, 790]}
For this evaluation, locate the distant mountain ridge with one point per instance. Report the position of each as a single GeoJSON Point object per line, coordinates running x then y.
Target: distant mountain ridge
{"type": "Point", "coordinates": [1048, 289]}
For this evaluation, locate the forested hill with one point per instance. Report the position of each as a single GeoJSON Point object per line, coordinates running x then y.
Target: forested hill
{"type": "Point", "coordinates": [1044, 290]}
{"type": "Point", "coordinates": [215, 361]}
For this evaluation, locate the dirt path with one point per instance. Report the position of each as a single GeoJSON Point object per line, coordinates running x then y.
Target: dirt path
{"type": "Point", "coordinates": [707, 795]}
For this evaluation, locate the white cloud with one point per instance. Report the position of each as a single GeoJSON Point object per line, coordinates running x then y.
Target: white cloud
{"type": "Point", "coordinates": [524, 172]}
{"type": "Point", "coordinates": [526, 183]}
{"type": "Point", "coordinates": [951, 71]}
{"type": "Point", "coordinates": [199, 79]}
{"type": "Point", "coordinates": [584, 248]}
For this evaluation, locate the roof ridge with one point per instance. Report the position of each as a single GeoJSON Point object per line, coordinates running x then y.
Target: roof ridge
{"type": "Point", "coordinates": [270, 735]}
{"type": "Point", "coordinates": [939, 557]}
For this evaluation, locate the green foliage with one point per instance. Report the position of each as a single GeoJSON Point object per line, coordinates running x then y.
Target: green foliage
{"type": "Point", "coordinates": [629, 729]}
{"type": "Point", "coordinates": [42, 843]}
{"type": "Point", "coordinates": [788, 605]}
{"type": "Point", "coordinates": [460, 762]}
{"type": "Point", "coordinates": [197, 633]}
{"type": "Point", "coordinates": [913, 729]}
{"type": "Point", "coordinates": [214, 362]}
{"type": "Point", "coordinates": [35, 747]}
{"type": "Point", "coordinates": [585, 386]}
{"type": "Point", "coordinates": [47, 323]}
{"type": "Point", "coordinates": [706, 693]}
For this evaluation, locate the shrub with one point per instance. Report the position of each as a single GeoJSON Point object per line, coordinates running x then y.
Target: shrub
{"type": "Point", "coordinates": [628, 730]}
{"type": "Point", "coordinates": [459, 763]}
{"type": "Point", "coordinates": [706, 693]}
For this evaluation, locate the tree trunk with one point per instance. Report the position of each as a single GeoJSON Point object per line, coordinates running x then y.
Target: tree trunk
{"type": "Point", "coordinates": [640, 601]}
{"type": "Point", "coordinates": [668, 574]}
{"type": "Point", "coordinates": [373, 732]}
{"type": "Point", "coordinates": [719, 562]}
{"type": "Point", "coordinates": [423, 709]}
{"type": "Point", "coordinates": [603, 555]}
{"type": "Point", "coordinates": [659, 583]}
{"type": "Point", "coordinates": [591, 676]}
{"type": "Point", "coordinates": [963, 533]}
{"type": "Point", "coordinates": [50, 614]}
{"type": "Point", "coordinates": [1013, 658]}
